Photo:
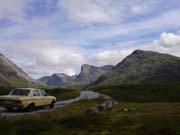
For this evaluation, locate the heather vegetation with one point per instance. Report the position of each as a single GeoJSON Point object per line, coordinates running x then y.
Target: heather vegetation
{"type": "Point", "coordinates": [169, 92]}
{"type": "Point", "coordinates": [149, 119]}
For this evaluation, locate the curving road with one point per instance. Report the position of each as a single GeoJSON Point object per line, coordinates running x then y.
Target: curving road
{"type": "Point", "coordinates": [84, 95]}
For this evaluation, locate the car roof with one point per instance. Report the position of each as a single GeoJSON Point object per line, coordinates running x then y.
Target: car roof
{"type": "Point", "coordinates": [28, 88]}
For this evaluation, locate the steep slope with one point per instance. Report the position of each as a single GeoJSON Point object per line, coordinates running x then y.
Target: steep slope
{"type": "Point", "coordinates": [87, 75]}
{"type": "Point", "coordinates": [90, 73]}
{"type": "Point", "coordinates": [11, 74]}
{"type": "Point", "coordinates": [144, 67]}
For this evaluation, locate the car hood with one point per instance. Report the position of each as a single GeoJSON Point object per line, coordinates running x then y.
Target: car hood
{"type": "Point", "coordinates": [10, 97]}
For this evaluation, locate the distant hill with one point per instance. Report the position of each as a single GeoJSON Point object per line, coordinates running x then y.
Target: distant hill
{"type": "Point", "coordinates": [11, 75]}
{"type": "Point", "coordinates": [87, 75]}
{"type": "Point", "coordinates": [143, 67]}
{"type": "Point", "coordinates": [58, 79]}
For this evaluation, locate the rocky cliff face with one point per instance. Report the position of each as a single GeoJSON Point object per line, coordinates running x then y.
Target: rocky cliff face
{"type": "Point", "coordinates": [11, 74]}
{"type": "Point", "coordinates": [144, 67]}
{"type": "Point", "coordinates": [87, 75]}
{"type": "Point", "coordinates": [90, 73]}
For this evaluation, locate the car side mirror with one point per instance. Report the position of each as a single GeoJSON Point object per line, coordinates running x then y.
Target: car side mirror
{"type": "Point", "coordinates": [45, 94]}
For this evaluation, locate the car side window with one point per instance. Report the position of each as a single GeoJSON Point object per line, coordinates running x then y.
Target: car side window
{"type": "Point", "coordinates": [36, 93]}
{"type": "Point", "coordinates": [43, 93]}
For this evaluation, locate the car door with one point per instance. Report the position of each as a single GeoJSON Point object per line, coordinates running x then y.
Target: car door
{"type": "Point", "coordinates": [45, 99]}
{"type": "Point", "coordinates": [37, 97]}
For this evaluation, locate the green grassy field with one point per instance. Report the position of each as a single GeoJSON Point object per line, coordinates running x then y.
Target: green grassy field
{"type": "Point", "coordinates": [158, 113]}
{"type": "Point", "coordinates": [142, 93]}
{"type": "Point", "coordinates": [149, 119]}
{"type": "Point", "coordinates": [63, 93]}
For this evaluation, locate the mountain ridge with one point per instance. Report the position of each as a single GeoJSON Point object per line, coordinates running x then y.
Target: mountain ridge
{"type": "Point", "coordinates": [87, 75]}
{"type": "Point", "coordinates": [12, 75]}
{"type": "Point", "coordinates": [143, 67]}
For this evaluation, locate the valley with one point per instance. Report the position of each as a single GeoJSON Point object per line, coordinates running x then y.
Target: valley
{"type": "Point", "coordinates": [145, 84]}
{"type": "Point", "coordinates": [89, 67]}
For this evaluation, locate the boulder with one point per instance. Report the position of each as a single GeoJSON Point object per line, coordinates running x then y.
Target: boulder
{"type": "Point", "coordinates": [102, 107]}
{"type": "Point", "coordinates": [104, 97]}
{"type": "Point", "coordinates": [125, 109]}
{"type": "Point", "coordinates": [92, 110]}
{"type": "Point", "coordinates": [130, 109]}
{"type": "Point", "coordinates": [107, 105]}
{"type": "Point", "coordinates": [114, 102]}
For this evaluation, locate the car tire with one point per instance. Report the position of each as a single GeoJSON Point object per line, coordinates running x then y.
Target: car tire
{"type": "Point", "coordinates": [52, 104]}
{"type": "Point", "coordinates": [31, 108]}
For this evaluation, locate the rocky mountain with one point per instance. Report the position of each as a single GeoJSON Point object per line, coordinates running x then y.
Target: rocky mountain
{"type": "Point", "coordinates": [90, 73]}
{"type": "Point", "coordinates": [57, 79]}
{"type": "Point", "coordinates": [11, 74]}
{"type": "Point", "coordinates": [87, 75]}
{"type": "Point", "coordinates": [143, 67]}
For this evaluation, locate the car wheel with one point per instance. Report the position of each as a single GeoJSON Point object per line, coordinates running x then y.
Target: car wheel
{"type": "Point", "coordinates": [31, 108]}
{"type": "Point", "coordinates": [52, 104]}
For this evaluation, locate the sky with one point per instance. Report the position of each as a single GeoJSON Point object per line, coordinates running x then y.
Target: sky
{"type": "Point", "coordinates": [58, 36]}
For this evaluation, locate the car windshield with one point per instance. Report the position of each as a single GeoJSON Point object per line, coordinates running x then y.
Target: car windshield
{"type": "Point", "coordinates": [20, 92]}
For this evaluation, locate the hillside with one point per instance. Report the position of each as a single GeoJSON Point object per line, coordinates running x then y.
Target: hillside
{"type": "Point", "coordinates": [11, 75]}
{"type": "Point", "coordinates": [143, 67]}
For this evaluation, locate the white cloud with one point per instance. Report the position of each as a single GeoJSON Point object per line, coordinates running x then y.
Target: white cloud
{"type": "Point", "coordinates": [12, 10]}
{"type": "Point", "coordinates": [105, 11]}
{"type": "Point", "coordinates": [29, 28]}
{"type": "Point", "coordinates": [45, 57]}
{"type": "Point", "coordinates": [169, 40]}
{"type": "Point", "coordinates": [109, 57]}
{"type": "Point", "coordinates": [91, 11]}
{"type": "Point", "coordinates": [140, 9]}
{"type": "Point", "coordinates": [166, 43]}
{"type": "Point", "coordinates": [165, 20]}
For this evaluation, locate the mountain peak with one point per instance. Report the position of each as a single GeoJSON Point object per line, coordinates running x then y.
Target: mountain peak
{"type": "Point", "coordinates": [145, 67]}
{"type": "Point", "coordinates": [138, 51]}
{"type": "Point", "coordinates": [10, 72]}
{"type": "Point", "coordinates": [143, 53]}
{"type": "Point", "coordinates": [59, 74]}
{"type": "Point", "coordinates": [85, 66]}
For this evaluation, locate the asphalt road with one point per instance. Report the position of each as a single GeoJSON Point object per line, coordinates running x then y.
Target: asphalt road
{"type": "Point", "coordinates": [84, 95]}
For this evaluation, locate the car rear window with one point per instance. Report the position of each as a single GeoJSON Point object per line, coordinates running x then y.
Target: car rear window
{"type": "Point", "coordinates": [20, 92]}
